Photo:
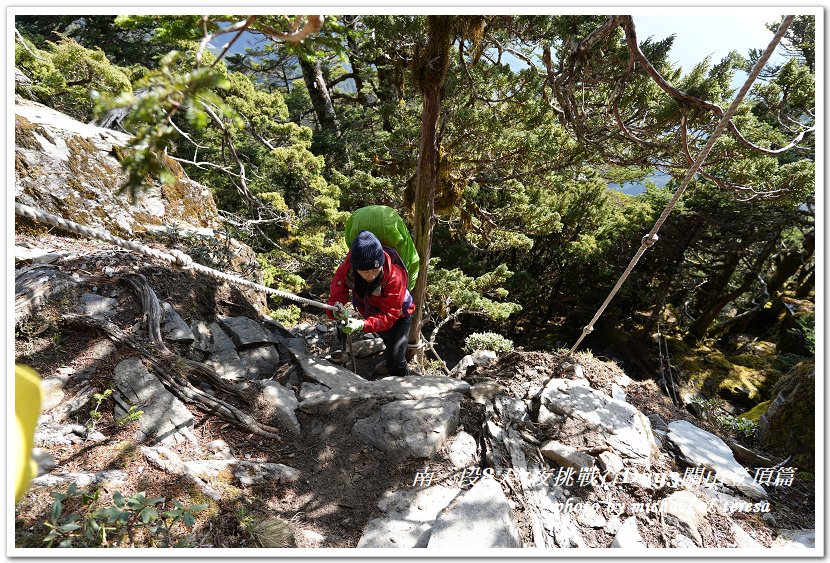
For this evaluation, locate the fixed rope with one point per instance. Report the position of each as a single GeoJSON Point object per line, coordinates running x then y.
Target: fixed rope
{"type": "Point", "coordinates": [649, 239]}
{"type": "Point", "coordinates": [176, 257]}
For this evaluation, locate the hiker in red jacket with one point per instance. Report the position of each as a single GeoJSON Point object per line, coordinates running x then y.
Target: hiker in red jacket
{"type": "Point", "coordinates": [378, 280]}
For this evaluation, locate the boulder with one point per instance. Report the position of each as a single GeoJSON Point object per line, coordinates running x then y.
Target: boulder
{"type": "Point", "coordinates": [260, 362]}
{"type": "Point", "coordinates": [368, 347]}
{"type": "Point", "coordinates": [415, 429]}
{"type": "Point", "coordinates": [794, 540]}
{"type": "Point", "coordinates": [593, 419]}
{"type": "Point", "coordinates": [686, 512]}
{"type": "Point", "coordinates": [276, 402]}
{"type": "Point", "coordinates": [173, 326]}
{"type": "Point", "coordinates": [478, 518]}
{"type": "Point", "coordinates": [477, 358]}
{"type": "Point", "coordinates": [462, 451]}
{"type": "Point", "coordinates": [69, 168]}
{"type": "Point", "coordinates": [699, 448]}
{"type": "Point", "coordinates": [610, 463]}
{"type": "Point", "coordinates": [245, 332]}
{"type": "Point", "coordinates": [164, 418]}
{"type": "Point", "coordinates": [408, 516]}
{"type": "Point", "coordinates": [789, 423]}
{"type": "Point", "coordinates": [566, 456]}
{"type": "Point", "coordinates": [388, 388]}
{"type": "Point", "coordinates": [628, 536]}
{"type": "Point", "coordinates": [227, 365]}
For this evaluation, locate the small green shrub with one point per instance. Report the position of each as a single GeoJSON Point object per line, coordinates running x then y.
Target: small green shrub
{"type": "Point", "coordinates": [109, 526]}
{"type": "Point", "coordinates": [132, 415]}
{"type": "Point", "coordinates": [286, 316]}
{"type": "Point", "coordinates": [487, 341]}
{"type": "Point", "coordinates": [95, 413]}
{"type": "Point", "coordinates": [739, 425]}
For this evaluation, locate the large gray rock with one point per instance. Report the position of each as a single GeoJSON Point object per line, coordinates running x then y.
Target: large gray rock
{"type": "Point", "coordinates": [478, 518]}
{"type": "Point", "coordinates": [69, 168]}
{"type": "Point", "coordinates": [277, 402]}
{"type": "Point", "coordinates": [164, 418]}
{"type": "Point", "coordinates": [594, 419]}
{"type": "Point", "coordinates": [462, 451]}
{"type": "Point", "coordinates": [388, 388]}
{"type": "Point", "coordinates": [246, 332]}
{"type": "Point", "coordinates": [477, 358]}
{"type": "Point", "coordinates": [82, 480]}
{"type": "Point", "coordinates": [219, 339]}
{"type": "Point", "coordinates": [566, 456]}
{"type": "Point", "coordinates": [688, 513]}
{"type": "Point", "coordinates": [52, 390]}
{"type": "Point", "coordinates": [794, 539]}
{"type": "Point", "coordinates": [203, 341]}
{"type": "Point", "coordinates": [368, 347]}
{"type": "Point", "coordinates": [742, 538]}
{"type": "Point", "coordinates": [173, 326]}
{"type": "Point", "coordinates": [227, 365]}
{"type": "Point", "coordinates": [260, 362]}
{"type": "Point", "coordinates": [628, 536]}
{"type": "Point", "coordinates": [699, 448]}
{"type": "Point", "coordinates": [325, 373]}
{"type": "Point", "coordinates": [415, 429]}
{"type": "Point", "coordinates": [407, 518]}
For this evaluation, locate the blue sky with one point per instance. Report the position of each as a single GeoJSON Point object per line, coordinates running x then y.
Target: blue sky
{"type": "Point", "coordinates": [711, 33]}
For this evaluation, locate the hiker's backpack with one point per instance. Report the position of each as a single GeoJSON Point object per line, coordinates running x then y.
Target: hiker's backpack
{"type": "Point", "coordinates": [387, 225]}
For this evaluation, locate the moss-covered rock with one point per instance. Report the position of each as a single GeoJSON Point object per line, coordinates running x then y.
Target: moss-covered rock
{"type": "Point", "coordinates": [755, 413]}
{"type": "Point", "coordinates": [744, 380]}
{"type": "Point", "coordinates": [788, 426]}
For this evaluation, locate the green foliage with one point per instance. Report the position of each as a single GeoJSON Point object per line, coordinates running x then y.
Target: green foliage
{"type": "Point", "coordinates": [739, 425]}
{"type": "Point", "coordinates": [133, 414]}
{"type": "Point", "coordinates": [286, 316]}
{"type": "Point", "coordinates": [169, 90]}
{"type": "Point", "coordinates": [487, 341]}
{"type": "Point", "coordinates": [66, 76]}
{"type": "Point", "coordinates": [95, 413]}
{"type": "Point", "coordinates": [78, 519]}
{"type": "Point", "coordinates": [452, 290]}
{"type": "Point", "coordinates": [807, 326]}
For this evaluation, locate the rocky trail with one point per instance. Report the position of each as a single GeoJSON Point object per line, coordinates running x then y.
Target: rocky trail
{"type": "Point", "coordinates": [287, 448]}
{"type": "Point", "coordinates": [159, 380]}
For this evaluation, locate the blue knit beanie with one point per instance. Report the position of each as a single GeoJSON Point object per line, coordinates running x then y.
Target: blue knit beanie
{"type": "Point", "coordinates": [367, 252]}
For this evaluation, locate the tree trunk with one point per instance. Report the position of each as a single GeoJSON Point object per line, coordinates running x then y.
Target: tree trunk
{"type": "Point", "coordinates": [789, 262]}
{"type": "Point", "coordinates": [700, 327]}
{"type": "Point", "coordinates": [319, 94]}
{"type": "Point", "coordinates": [430, 74]}
{"type": "Point", "coordinates": [424, 215]}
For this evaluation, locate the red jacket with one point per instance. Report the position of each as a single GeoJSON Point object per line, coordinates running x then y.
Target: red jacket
{"type": "Point", "coordinates": [384, 309]}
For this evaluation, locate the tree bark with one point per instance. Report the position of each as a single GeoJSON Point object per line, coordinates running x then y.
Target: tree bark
{"type": "Point", "coordinates": [430, 77]}
{"type": "Point", "coordinates": [701, 326]}
{"type": "Point", "coordinates": [790, 262]}
{"type": "Point", "coordinates": [424, 214]}
{"type": "Point", "coordinates": [320, 96]}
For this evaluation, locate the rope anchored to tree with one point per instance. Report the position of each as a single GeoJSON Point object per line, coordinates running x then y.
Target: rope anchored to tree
{"type": "Point", "coordinates": [651, 237]}
{"type": "Point", "coordinates": [176, 257]}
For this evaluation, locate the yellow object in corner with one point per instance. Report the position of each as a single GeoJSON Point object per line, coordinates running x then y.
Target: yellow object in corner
{"type": "Point", "coordinates": [27, 400]}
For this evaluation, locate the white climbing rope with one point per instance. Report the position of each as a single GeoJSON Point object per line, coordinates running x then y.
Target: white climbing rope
{"type": "Point", "coordinates": [176, 257]}
{"type": "Point", "coordinates": [651, 237]}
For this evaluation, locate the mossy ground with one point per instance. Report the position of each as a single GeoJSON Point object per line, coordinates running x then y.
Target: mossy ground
{"type": "Point", "coordinates": [746, 378]}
